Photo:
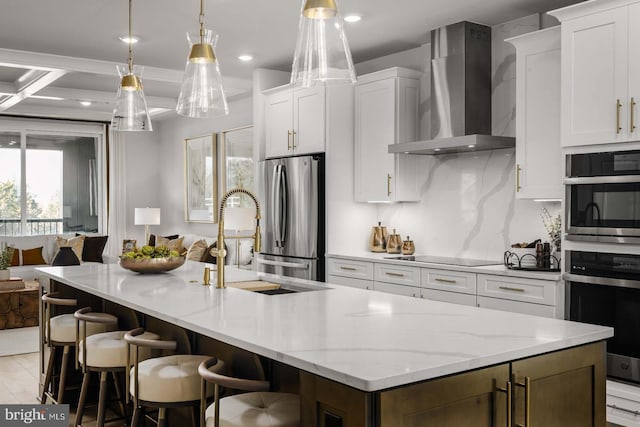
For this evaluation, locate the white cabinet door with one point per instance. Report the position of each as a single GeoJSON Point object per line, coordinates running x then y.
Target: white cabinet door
{"type": "Point", "coordinates": [374, 130]}
{"type": "Point", "coordinates": [517, 307]}
{"type": "Point", "coordinates": [398, 274]}
{"type": "Point", "coordinates": [309, 120]}
{"type": "Point", "coordinates": [594, 78]}
{"type": "Point", "coordinates": [538, 156]}
{"type": "Point", "coordinates": [452, 297]}
{"type": "Point", "coordinates": [391, 288]}
{"type": "Point", "coordinates": [518, 289]}
{"type": "Point", "coordinates": [348, 281]}
{"type": "Point", "coordinates": [350, 268]}
{"type": "Point", "coordinates": [634, 71]}
{"type": "Point", "coordinates": [386, 112]}
{"type": "Point", "coordinates": [279, 124]}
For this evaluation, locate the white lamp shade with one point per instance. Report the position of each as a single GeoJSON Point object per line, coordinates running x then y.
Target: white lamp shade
{"type": "Point", "coordinates": [147, 216]}
{"type": "Point", "coordinates": [239, 218]}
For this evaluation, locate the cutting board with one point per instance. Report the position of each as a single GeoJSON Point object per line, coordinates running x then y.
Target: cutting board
{"type": "Point", "coordinates": [254, 285]}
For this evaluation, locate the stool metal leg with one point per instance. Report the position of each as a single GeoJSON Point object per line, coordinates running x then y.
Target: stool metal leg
{"type": "Point", "coordinates": [102, 398]}
{"type": "Point", "coordinates": [162, 417]}
{"type": "Point", "coordinates": [83, 398]}
{"type": "Point", "coordinates": [48, 375]}
{"type": "Point", "coordinates": [135, 419]}
{"type": "Point", "coordinates": [63, 374]}
{"type": "Point", "coordinates": [116, 385]}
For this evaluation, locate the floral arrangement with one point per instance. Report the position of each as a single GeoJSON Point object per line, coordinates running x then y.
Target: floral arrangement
{"type": "Point", "coordinates": [553, 225]}
{"type": "Point", "coordinates": [6, 253]}
{"type": "Point", "coordinates": [148, 252]}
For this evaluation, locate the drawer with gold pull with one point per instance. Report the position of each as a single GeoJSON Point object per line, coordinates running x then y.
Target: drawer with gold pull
{"type": "Point", "coordinates": [517, 289]}
{"type": "Point", "coordinates": [449, 280]}
{"type": "Point", "coordinates": [350, 268]}
{"type": "Point", "coordinates": [399, 274]}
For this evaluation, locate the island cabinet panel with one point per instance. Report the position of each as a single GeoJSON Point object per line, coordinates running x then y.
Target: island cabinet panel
{"type": "Point", "coordinates": [565, 388]}
{"type": "Point", "coordinates": [475, 398]}
{"type": "Point", "coordinates": [326, 403]}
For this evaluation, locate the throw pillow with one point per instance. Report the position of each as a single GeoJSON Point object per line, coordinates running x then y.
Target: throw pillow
{"type": "Point", "coordinates": [76, 243]}
{"type": "Point", "coordinates": [197, 250]}
{"type": "Point", "coordinates": [65, 256]}
{"type": "Point", "coordinates": [210, 258]}
{"type": "Point", "coordinates": [15, 258]}
{"type": "Point", "coordinates": [152, 238]}
{"type": "Point", "coordinates": [172, 244]}
{"type": "Point", "coordinates": [32, 256]}
{"type": "Point", "coordinates": [93, 248]}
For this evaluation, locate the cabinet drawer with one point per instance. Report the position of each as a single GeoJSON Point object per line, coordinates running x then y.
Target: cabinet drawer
{"type": "Point", "coordinates": [401, 275]}
{"type": "Point", "coordinates": [391, 288]}
{"type": "Point", "coordinates": [517, 307]}
{"type": "Point", "coordinates": [450, 281]}
{"type": "Point", "coordinates": [348, 268]}
{"type": "Point", "coordinates": [452, 297]}
{"type": "Point", "coordinates": [348, 281]}
{"type": "Point", "coordinates": [517, 289]}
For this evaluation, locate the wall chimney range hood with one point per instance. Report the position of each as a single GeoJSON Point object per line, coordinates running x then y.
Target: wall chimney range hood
{"type": "Point", "coordinates": [460, 94]}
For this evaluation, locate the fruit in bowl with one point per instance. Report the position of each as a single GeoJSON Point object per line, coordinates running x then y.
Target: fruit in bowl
{"type": "Point", "coordinates": [150, 259]}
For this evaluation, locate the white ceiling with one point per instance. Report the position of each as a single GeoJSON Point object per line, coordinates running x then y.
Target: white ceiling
{"type": "Point", "coordinates": [266, 29]}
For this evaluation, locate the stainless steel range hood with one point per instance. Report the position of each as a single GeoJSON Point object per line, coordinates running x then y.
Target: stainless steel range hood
{"type": "Point", "coordinates": [460, 93]}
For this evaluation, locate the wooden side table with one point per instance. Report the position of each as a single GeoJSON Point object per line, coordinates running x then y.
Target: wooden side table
{"type": "Point", "coordinates": [19, 308]}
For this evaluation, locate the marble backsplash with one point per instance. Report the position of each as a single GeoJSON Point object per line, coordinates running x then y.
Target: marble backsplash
{"type": "Point", "coordinates": [468, 205]}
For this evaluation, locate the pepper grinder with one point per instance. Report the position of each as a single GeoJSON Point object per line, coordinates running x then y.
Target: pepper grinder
{"type": "Point", "coordinates": [394, 244]}
{"type": "Point", "coordinates": [408, 248]}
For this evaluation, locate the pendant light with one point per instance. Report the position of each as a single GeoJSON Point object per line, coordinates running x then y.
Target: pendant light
{"type": "Point", "coordinates": [201, 94]}
{"type": "Point", "coordinates": [322, 53]}
{"type": "Point", "coordinates": [131, 113]}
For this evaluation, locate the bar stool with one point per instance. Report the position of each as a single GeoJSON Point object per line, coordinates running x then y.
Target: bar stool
{"type": "Point", "coordinates": [259, 408]}
{"type": "Point", "coordinates": [162, 382]}
{"type": "Point", "coordinates": [103, 353]}
{"type": "Point", "coordinates": [61, 332]}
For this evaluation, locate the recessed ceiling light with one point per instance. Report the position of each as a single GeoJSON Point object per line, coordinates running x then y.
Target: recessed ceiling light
{"type": "Point", "coordinates": [126, 39]}
{"type": "Point", "coordinates": [85, 103]}
{"type": "Point", "coordinates": [50, 98]}
{"type": "Point", "coordinates": [471, 146]}
{"type": "Point", "coordinates": [436, 149]}
{"type": "Point", "coordinates": [352, 18]}
{"type": "Point", "coordinates": [245, 58]}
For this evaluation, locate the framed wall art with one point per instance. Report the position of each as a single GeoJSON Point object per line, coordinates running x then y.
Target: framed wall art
{"type": "Point", "coordinates": [201, 184]}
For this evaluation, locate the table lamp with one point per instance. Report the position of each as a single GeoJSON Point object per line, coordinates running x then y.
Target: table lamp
{"type": "Point", "coordinates": [239, 219]}
{"type": "Point", "coordinates": [147, 217]}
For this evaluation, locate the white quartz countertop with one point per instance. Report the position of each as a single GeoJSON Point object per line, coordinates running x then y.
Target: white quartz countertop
{"type": "Point", "coordinates": [497, 269]}
{"type": "Point", "coordinates": [365, 339]}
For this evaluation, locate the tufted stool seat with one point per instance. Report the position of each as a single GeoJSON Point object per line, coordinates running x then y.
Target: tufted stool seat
{"type": "Point", "coordinates": [109, 349]}
{"type": "Point", "coordinates": [61, 331]}
{"type": "Point", "coordinates": [162, 382]}
{"type": "Point", "coordinates": [258, 408]}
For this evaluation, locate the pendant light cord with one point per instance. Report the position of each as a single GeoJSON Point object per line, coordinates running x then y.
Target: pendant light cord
{"type": "Point", "coordinates": [201, 20]}
{"type": "Point", "coordinates": [130, 42]}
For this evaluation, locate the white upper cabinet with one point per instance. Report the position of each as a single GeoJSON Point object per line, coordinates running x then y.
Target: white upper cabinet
{"type": "Point", "coordinates": [295, 122]}
{"type": "Point", "coordinates": [538, 154]}
{"type": "Point", "coordinates": [386, 112]}
{"type": "Point", "coordinates": [600, 72]}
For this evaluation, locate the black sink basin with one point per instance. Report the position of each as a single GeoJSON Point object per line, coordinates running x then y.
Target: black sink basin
{"type": "Point", "coordinates": [276, 291]}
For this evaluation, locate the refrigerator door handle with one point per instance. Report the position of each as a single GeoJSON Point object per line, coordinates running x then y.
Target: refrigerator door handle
{"type": "Point", "coordinates": [283, 263]}
{"type": "Point", "coordinates": [284, 208]}
{"type": "Point", "coordinates": [276, 206]}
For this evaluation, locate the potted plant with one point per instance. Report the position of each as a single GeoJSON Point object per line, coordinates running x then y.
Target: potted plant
{"type": "Point", "coordinates": [6, 253]}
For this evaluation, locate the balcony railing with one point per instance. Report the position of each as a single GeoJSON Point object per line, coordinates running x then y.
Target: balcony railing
{"type": "Point", "coordinates": [13, 226]}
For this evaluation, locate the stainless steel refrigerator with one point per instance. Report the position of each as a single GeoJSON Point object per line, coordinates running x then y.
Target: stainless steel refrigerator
{"type": "Point", "coordinates": [291, 192]}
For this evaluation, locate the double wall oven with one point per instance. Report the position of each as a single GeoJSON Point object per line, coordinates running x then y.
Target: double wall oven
{"type": "Point", "coordinates": [603, 287]}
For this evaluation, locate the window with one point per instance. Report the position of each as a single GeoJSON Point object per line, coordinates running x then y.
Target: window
{"type": "Point", "coordinates": [51, 177]}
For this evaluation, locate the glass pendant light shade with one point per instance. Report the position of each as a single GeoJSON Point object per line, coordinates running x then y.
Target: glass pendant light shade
{"type": "Point", "coordinates": [322, 53]}
{"type": "Point", "coordinates": [130, 113]}
{"type": "Point", "coordinates": [201, 94]}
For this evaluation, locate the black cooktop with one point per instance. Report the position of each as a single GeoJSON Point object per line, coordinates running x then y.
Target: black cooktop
{"type": "Point", "coordinates": [466, 262]}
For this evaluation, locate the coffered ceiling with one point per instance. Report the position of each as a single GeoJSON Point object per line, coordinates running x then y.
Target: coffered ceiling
{"type": "Point", "coordinates": [54, 54]}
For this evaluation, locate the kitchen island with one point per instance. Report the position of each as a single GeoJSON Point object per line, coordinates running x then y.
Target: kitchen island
{"type": "Point", "coordinates": [368, 358]}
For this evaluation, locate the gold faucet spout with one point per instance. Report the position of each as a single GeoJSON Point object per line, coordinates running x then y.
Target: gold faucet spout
{"type": "Point", "coordinates": [220, 252]}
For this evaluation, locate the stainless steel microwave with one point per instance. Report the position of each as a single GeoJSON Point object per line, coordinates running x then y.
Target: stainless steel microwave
{"type": "Point", "coordinates": [603, 197]}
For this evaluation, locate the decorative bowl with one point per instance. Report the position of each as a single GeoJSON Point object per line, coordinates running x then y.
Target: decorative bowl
{"type": "Point", "coordinates": [151, 265]}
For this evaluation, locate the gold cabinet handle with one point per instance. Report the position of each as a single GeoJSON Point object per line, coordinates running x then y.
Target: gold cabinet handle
{"type": "Point", "coordinates": [632, 125]}
{"type": "Point", "coordinates": [288, 140]}
{"type": "Point", "coordinates": [527, 402]}
{"type": "Point", "coordinates": [348, 268]}
{"type": "Point", "coordinates": [445, 280]}
{"type": "Point", "coordinates": [618, 107]}
{"type": "Point", "coordinates": [388, 273]}
{"type": "Point", "coordinates": [388, 184]}
{"type": "Point", "coordinates": [518, 170]}
{"type": "Point", "coordinates": [509, 288]}
{"type": "Point", "coordinates": [506, 390]}
{"type": "Point", "coordinates": [293, 140]}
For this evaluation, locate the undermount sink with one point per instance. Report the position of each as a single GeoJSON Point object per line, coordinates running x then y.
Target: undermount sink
{"type": "Point", "coordinates": [271, 288]}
